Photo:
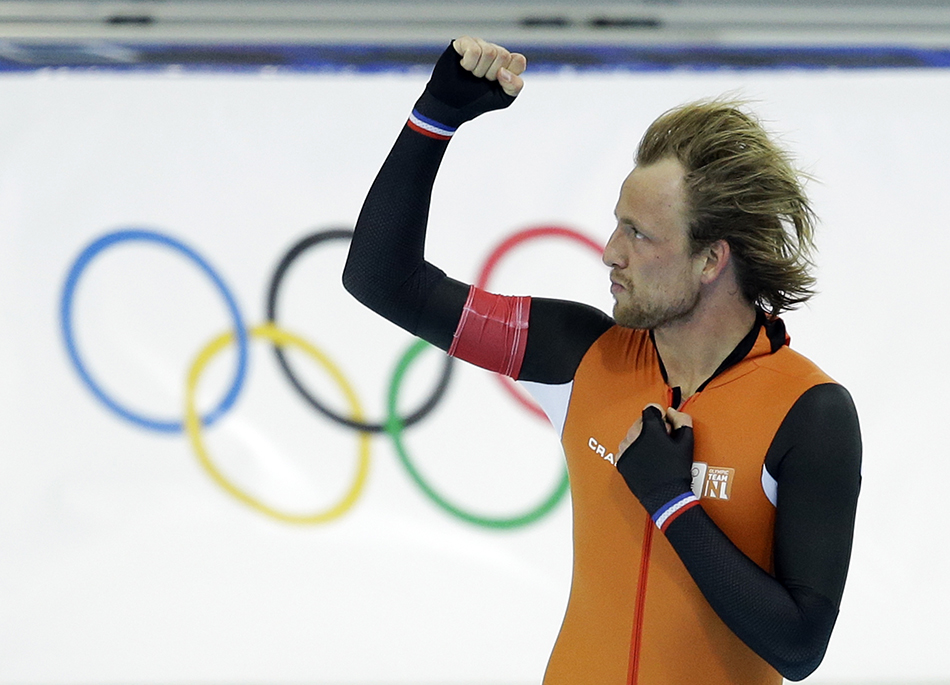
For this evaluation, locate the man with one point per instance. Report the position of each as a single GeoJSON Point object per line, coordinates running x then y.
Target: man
{"type": "Point", "coordinates": [715, 548]}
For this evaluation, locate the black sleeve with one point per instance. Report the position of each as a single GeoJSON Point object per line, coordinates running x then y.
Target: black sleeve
{"type": "Point", "coordinates": [787, 619]}
{"type": "Point", "coordinates": [386, 269]}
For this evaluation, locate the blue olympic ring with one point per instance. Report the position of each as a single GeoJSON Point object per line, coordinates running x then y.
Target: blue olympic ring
{"type": "Point", "coordinates": [66, 319]}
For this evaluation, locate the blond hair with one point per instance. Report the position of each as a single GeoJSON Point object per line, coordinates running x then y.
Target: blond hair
{"type": "Point", "coordinates": [743, 189]}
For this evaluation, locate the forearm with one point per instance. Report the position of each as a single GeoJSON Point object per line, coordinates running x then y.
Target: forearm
{"type": "Point", "coordinates": [787, 626]}
{"type": "Point", "coordinates": [386, 269]}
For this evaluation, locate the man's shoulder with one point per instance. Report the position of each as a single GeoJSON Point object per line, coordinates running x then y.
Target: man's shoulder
{"type": "Point", "coordinates": [792, 364]}
{"type": "Point", "coordinates": [623, 344]}
{"type": "Point", "coordinates": [620, 351]}
{"type": "Point", "coordinates": [803, 378]}
{"type": "Point", "coordinates": [618, 335]}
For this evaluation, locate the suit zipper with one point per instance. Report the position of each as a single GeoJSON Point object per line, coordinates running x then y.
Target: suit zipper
{"type": "Point", "coordinates": [633, 671]}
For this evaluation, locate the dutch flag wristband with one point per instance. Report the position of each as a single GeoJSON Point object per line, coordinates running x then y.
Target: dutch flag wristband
{"type": "Point", "coordinates": [668, 513]}
{"type": "Point", "coordinates": [429, 127]}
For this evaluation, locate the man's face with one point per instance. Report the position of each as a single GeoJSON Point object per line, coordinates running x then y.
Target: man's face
{"type": "Point", "coordinates": [654, 279]}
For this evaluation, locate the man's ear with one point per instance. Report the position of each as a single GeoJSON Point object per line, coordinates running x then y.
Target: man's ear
{"type": "Point", "coordinates": [714, 260]}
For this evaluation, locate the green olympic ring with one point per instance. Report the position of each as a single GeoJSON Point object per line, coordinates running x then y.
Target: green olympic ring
{"type": "Point", "coordinates": [394, 428]}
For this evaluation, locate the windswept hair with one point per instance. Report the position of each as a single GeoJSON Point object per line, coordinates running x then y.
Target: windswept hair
{"type": "Point", "coordinates": [742, 189]}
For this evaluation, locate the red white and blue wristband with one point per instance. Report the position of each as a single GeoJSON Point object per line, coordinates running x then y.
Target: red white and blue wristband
{"type": "Point", "coordinates": [670, 511]}
{"type": "Point", "coordinates": [429, 127]}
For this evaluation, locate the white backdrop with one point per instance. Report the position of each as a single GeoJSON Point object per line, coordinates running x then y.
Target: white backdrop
{"type": "Point", "coordinates": [122, 561]}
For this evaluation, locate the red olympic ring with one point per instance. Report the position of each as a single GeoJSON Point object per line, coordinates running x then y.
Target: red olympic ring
{"type": "Point", "coordinates": [492, 261]}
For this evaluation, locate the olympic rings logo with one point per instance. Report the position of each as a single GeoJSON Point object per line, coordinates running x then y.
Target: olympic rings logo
{"type": "Point", "coordinates": [240, 335]}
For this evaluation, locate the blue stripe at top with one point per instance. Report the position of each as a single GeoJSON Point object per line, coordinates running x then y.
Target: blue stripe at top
{"type": "Point", "coordinates": [436, 125]}
{"type": "Point", "coordinates": [117, 56]}
{"type": "Point", "coordinates": [659, 514]}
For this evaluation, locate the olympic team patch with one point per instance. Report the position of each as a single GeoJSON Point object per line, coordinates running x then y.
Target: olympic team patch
{"type": "Point", "coordinates": [712, 482]}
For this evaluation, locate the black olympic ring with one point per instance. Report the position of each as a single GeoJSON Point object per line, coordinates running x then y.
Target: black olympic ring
{"type": "Point", "coordinates": [274, 288]}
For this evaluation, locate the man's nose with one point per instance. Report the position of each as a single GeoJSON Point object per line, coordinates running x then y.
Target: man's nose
{"type": "Point", "coordinates": [613, 256]}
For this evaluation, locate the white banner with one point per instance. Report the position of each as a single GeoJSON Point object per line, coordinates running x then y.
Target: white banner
{"type": "Point", "coordinates": [143, 216]}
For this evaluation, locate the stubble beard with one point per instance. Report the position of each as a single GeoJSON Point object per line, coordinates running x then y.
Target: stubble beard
{"type": "Point", "coordinates": [652, 315]}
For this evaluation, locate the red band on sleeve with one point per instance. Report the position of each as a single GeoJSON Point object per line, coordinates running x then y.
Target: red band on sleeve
{"type": "Point", "coordinates": [492, 332]}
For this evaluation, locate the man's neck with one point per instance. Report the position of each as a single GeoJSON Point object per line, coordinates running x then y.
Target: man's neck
{"type": "Point", "coordinates": [692, 349]}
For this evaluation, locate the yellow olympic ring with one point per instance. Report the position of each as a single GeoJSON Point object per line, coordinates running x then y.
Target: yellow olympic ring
{"type": "Point", "coordinates": [193, 425]}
